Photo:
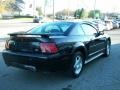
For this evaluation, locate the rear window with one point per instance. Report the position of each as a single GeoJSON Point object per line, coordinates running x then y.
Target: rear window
{"type": "Point", "coordinates": [52, 28]}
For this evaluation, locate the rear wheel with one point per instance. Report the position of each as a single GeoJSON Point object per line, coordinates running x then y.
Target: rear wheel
{"type": "Point", "coordinates": [76, 65]}
{"type": "Point", "coordinates": [107, 50]}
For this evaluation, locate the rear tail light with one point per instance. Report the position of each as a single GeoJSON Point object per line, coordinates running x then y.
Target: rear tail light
{"type": "Point", "coordinates": [48, 48]}
{"type": "Point", "coordinates": [6, 45]}
{"type": "Point", "coordinates": [9, 43]}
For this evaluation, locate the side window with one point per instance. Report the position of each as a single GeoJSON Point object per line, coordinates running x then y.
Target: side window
{"type": "Point", "coordinates": [77, 30]}
{"type": "Point", "coordinates": [89, 30]}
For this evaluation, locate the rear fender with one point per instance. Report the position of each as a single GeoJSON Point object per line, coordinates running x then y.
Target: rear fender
{"type": "Point", "coordinates": [80, 47]}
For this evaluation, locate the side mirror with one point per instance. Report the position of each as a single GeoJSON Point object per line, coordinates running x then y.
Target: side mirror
{"type": "Point", "coordinates": [96, 34]}
{"type": "Point", "coordinates": [101, 32]}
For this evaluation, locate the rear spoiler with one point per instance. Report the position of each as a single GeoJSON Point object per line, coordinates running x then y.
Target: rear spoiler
{"type": "Point", "coordinates": [25, 34]}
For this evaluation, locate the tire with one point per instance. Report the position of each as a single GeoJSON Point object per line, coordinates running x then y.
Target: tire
{"type": "Point", "coordinates": [107, 49]}
{"type": "Point", "coordinates": [76, 65]}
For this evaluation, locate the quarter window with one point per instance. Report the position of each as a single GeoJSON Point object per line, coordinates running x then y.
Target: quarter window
{"type": "Point", "coordinates": [77, 30]}
{"type": "Point", "coordinates": [89, 30]}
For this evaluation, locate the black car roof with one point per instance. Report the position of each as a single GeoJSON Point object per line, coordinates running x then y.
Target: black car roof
{"type": "Point", "coordinates": [74, 22]}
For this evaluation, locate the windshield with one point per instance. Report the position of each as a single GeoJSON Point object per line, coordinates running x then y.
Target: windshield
{"type": "Point", "coordinates": [51, 28]}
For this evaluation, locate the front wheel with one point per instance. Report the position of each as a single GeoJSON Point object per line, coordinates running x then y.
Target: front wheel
{"type": "Point", "coordinates": [76, 65]}
{"type": "Point", "coordinates": [107, 49]}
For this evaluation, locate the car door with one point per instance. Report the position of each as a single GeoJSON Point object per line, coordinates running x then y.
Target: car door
{"type": "Point", "coordinates": [95, 43]}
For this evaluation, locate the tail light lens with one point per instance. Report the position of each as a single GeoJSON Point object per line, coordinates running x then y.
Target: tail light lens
{"type": "Point", "coordinates": [48, 48]}
{"type": "Point", "coordinates": [6, 45]}
{"type": "Point", "coordinates": [9, 43]}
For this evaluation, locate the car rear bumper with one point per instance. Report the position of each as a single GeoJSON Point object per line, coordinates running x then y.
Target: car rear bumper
{"type": "Point", "coordinates": [36, 61]}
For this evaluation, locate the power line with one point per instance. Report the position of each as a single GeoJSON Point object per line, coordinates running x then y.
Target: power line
{"type": "Point", "coordinates": [53, 10]}
{"type": "Point", "coordinates": [94, 8]}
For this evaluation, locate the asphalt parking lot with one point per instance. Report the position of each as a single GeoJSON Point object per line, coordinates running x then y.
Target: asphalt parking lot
{"type": "Point", "coordinates": [100, 74]}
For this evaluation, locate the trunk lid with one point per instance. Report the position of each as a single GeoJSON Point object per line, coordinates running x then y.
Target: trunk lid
{"type": "Point", "coordinates": [27, 42]}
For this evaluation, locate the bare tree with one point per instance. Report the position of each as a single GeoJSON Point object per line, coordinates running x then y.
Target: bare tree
{"type": "Point", "coordinates": [12, 5]}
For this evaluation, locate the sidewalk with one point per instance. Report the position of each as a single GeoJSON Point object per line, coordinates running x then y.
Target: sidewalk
{"type": "Point", "coordinates": [25, 20]}
{"type": "Point", "coordinates": [17, 20]}
{"type": "Point", "coordinates": [6, 28]}
{"type": "Point", "coordinates": [17, 25]}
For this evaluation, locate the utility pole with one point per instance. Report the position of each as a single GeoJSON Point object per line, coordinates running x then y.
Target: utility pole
{"type": "Point", "coordinates": [33, 8]}
{"type": "Point", "coordinates": [94, 8]}
{"type": "Point", "coordinates": [45, 4]}
{"type": "Point", "coordinates": [53, 10]}
{"type": "Point", "coordinates": [68, 8]}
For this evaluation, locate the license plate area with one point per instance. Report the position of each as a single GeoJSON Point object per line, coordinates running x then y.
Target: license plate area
{"type": "Point", "coordinates": [32, 68]}
{"type": "Point", "coordinates": [23, 66]}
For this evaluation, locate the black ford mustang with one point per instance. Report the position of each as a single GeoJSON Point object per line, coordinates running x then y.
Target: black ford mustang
{"type": "Point", "coordinates": [56, 46]}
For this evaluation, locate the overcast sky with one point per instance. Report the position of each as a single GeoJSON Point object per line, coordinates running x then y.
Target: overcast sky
{"type": "Point", "coordinates": [103, 5]}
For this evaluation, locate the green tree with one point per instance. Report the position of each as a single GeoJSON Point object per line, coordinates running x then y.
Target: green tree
{"type": "Point", "coordinates": [12, 5]}
{"type": "Point", "coordinates": [39, 10]}
{"type": "Point", "coordinates": [65, 13]}
{"type": "Point", "coordinates": [83, 13]}
{"type": "Point", "coordinates": [77, 13]}
{"type": "Point", "coordinates": [91, 14]}
{"type": "Point", "coordinates": [80, 13]}
{"type": "Point", "coordinates": [94, 14]}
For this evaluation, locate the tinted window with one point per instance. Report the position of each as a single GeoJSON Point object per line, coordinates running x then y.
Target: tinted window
{"type": "Point", "coordinates": [77, 30]}
{"type": "Point", "coordinates": [88, 29]}
{"type": "Point", "coordinates": [51, 28]}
